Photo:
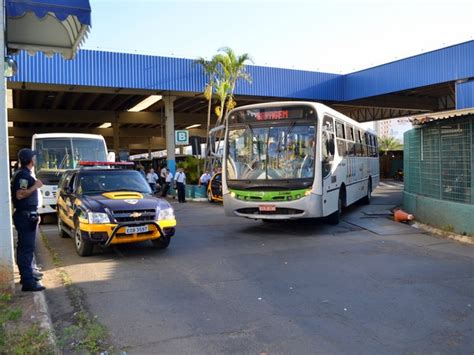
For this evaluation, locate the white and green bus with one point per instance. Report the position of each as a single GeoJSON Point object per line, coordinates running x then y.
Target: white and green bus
{"type": "Point", "coordinates": [288, 160]}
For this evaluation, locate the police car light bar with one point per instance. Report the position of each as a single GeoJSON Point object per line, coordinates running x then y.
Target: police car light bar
{"type": "Point", "coordinates": [105, 163]}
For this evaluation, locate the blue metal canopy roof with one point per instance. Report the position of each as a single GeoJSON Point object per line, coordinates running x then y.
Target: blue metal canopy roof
{"type": "Point", "coordinates": [158, 74]}
{"type": "Point", "coordinates": [60, 8]}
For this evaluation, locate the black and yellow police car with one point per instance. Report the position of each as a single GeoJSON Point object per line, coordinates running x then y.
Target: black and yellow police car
{"type": "Point", "coordinates": [101, 203]}
{"type": "Point", "coordinates": [214, 188]}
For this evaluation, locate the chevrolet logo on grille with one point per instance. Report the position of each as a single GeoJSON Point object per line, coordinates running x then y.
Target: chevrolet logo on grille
{"type": "Point", "coordinates": [135, 214]}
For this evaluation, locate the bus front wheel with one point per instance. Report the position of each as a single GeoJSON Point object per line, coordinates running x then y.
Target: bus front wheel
{"type": "Point", "coordinates": [335, 217]}
{"type": "Point", "coordinates": [368, 197]}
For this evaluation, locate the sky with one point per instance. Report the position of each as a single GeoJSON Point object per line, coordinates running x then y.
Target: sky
{"type": "Point", "coordinates": [336, 36]}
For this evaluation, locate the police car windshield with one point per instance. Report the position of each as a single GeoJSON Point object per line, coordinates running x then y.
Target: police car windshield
{"type": "Point", "coordinates": [94, 182]}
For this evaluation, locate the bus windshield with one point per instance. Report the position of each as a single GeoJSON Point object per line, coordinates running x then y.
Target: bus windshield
{"type": "Point", "coordinates": [277, 152]}
{"type": "Point", "coordinates": [65, 153]}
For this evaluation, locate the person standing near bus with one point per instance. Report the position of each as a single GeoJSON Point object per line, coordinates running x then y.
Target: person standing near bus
{"type": "Point", "coordinates": [205, 178]}
{"type": "Point", "coordinates": [163, 174]}
{"type": "Point", "coordinates": [24, 190]}
{"type": "Point", "coordinates": [180, 180]}
{"type": "Point", "coordinates": [152, 178]}
{"type": "Point", "coordinates": [168, 181]}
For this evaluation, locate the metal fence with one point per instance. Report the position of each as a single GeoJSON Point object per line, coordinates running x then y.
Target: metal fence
{"type": "Point", "coordinates": [438, 160]}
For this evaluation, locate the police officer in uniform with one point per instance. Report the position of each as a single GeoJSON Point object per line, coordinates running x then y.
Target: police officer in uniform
{"type": "Point", "coordinates": [24, 190]}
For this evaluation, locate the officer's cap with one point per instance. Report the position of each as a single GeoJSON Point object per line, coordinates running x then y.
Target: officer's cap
{"type": "Point", "coordinates": [25, 155]}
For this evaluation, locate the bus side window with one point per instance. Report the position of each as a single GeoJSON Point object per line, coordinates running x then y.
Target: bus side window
{"type": "Point", "coordinates": [349, 133]}
{"type": "Point", "coordinates": [373, 152]}
{"type": "Point", "coordinates": [328, 124]}
{"type": "Point", "coordinates": [341, 147]}
{"type": "Point", "coordinates": [366, 145]}
{"type": "Point", "coordinates": [369, 145]}
{"type": "Point", "coordinates": [340, 133]}
{"type": "Point", "coordinates": [358, 150]}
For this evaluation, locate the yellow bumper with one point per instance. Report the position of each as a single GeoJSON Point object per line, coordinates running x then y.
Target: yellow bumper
{"type": "Point", "coordinates": [120, 237]}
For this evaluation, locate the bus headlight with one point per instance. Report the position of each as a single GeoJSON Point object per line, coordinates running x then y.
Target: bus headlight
{"type": "Point", "coordinates": [232, 194]}
{"type": "Point", "coordinates": [47, 193]}
{"type": "Point", "coordinates": [166, 214]}
{"type": "Point", "coordinates": [307, 192]}
{"type": "Point", "coordinates": [98, 218]}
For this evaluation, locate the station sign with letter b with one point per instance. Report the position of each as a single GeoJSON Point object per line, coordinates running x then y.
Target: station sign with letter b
{"type": "Point", "coordinates": [181, 137]}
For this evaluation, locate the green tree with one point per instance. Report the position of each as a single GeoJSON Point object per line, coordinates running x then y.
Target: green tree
{"type": "Point", "coordinates": [224, 71]}
{"type": "Point", "coordinates": [231, 68]}
{"type": "Point", "coordinates": [387, 143]}
{"type": "Point", "coordinates": [210, 69]}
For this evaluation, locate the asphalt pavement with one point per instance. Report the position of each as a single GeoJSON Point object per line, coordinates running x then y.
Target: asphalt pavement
{"type": "Point", "coordinates": [230, 285]}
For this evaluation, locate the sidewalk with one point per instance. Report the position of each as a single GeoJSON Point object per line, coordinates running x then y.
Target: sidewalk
{"type": "Point", "coordinates": [26, 322]}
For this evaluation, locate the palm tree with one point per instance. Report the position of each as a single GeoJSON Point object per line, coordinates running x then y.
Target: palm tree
{"type": "Point", "coordinates": [231, 69]}
{"type": "Point", "coordinates": [210, 68]}
{"type": "Point", "coordinates": [387, 143]}
{"type": "Point", "coordinates": [224, 70]}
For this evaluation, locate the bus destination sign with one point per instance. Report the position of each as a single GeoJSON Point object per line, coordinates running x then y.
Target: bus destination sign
{"type": "Point", "coordinates": [272, 114]}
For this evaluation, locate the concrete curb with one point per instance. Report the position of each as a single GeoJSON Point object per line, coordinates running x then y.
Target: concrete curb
{"type": "Point", "coordinates": [44, 318]}
{"type": "Point", "coordinates": [465, 239]}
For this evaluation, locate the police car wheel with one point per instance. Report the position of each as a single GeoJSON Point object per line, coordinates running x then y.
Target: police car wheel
{"type": "Point", "coordinates": [61, 231]}
{"type": "Point", "coordinates": [83, 247]}
{"type": "Point", "coordinates": [161, 243]}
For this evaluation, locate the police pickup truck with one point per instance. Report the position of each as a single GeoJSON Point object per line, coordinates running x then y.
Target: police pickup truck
{"type": "Point", "coordinates": [104, 204]}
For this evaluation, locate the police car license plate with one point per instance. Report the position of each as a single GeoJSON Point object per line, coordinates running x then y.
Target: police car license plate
{"type": "Point", "coordinates": [267, 208]}
{"type": "Point", "coordinates": [136, 230]}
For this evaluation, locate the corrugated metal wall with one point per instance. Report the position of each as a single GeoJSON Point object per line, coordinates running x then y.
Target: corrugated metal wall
{"type": "Point", "coordinates": [465, 95]}
{"type": "Point", "coordinates": [122, 70]}
{"type": "Point", "coordinates": [443, 65]}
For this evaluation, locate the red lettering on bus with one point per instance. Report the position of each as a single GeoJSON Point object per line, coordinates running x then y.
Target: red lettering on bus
{"type": "Point", "coordinates": [271, 115]}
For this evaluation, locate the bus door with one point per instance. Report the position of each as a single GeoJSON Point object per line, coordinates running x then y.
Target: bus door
{"type": "Point", "coordinates": [330, 180]}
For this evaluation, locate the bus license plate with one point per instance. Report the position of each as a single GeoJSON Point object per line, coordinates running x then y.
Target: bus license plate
{"type": "Point", "coordinates": [267, 208]}
{"type": "Point", "coordinates": [136, 230]}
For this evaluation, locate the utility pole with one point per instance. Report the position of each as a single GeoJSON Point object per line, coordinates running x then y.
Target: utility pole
{"type": "Point", "coordinates": [6, 232]}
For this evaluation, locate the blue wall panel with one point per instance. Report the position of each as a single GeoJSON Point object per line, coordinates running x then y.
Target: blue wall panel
{"type": "Point", "coordinates": [465, 95]}
{"type": "Point", "coordinates": [123, 70]}
{"type": "Point", "coordinates": [443, 65]}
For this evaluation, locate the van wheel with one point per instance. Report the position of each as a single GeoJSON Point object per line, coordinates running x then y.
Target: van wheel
{"type": "Point", "coordinates": [335, 217]}
{"type": "Point", "coordinates": [366, 200]}
{"type": "Point", "coordinates": [83, 246]}
{"type": "Point", "coordinates": [161, 243]}
{"type": "Point", "coordinates": [61, 231]}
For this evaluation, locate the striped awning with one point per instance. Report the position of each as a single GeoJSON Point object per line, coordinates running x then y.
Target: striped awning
{"type": "Point", "coordinates": [49, 26]}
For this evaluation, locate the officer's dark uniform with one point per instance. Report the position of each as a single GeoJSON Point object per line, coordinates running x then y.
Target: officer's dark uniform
{"type": "Point", "coordinates": [25, 219]}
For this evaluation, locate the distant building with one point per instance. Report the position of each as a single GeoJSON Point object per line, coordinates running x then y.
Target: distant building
{"type": "Point", "coordinates": [393, 128]}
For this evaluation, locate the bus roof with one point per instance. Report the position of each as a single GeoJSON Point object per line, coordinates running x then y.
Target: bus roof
{"type": "Point", "coordinates": [67, 135]}
{"type": "Point", "coordinates": [318, 106]}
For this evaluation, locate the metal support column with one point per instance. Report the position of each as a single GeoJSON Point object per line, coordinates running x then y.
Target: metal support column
{"type": "Point", "coordinates": [6, 232]}
{"type": "Point", "coordinates": [170, 144]}
{"type": "Point", "coordinates": [116, 129]}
